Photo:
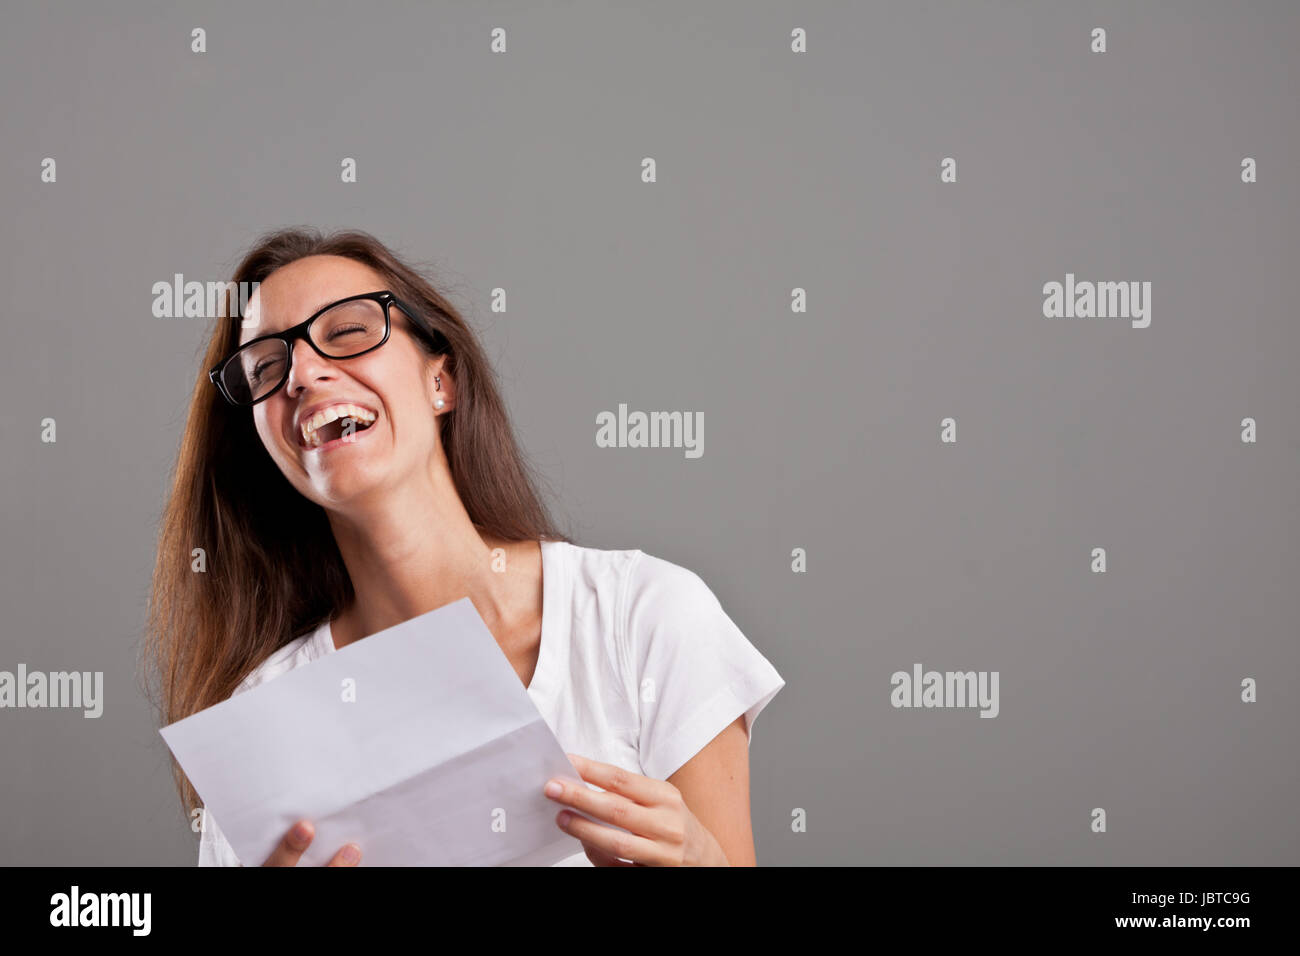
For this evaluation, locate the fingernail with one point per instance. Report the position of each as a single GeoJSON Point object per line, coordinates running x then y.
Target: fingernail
{"type": "Point", "coordinates": [564, 818]}
{"type": "Point", "coordinates": [301, 832]}
{"type": "Point", "coordinates": [351, 853]}
{"type": "Point", "coordinates": [554, 789]}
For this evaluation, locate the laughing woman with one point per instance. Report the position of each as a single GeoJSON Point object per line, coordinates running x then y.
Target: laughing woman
{"type": "Point", "coordinates": [348, 464]}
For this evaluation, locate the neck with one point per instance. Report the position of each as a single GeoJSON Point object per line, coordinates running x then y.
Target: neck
{"type": "Point", "coordinates": [413, 549]}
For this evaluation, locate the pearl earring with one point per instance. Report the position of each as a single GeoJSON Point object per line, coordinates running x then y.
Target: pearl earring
{"type": "Point", "coordinates": [439, 403]}
{"type": "Point", "coordinates": [437, 380]}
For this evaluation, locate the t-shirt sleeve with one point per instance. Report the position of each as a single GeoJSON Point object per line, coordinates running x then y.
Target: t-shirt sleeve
{"type": "Point", "coordinates": [693, 671]}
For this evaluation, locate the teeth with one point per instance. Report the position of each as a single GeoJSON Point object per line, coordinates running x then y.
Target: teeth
{"type": "Point", "coordinates": [334, 412]}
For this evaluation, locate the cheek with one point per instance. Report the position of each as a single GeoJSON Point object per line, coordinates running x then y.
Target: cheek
{"type": "Point", "coordinates": [268, 432]}
{"type": "Point", "coordinates": [413, 430]}
{"type": "Point", "coordinates": [408, 400]}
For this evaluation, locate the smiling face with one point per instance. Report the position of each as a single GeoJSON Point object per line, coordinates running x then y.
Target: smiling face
{"type": "Point", "coordinates": [394, 383]}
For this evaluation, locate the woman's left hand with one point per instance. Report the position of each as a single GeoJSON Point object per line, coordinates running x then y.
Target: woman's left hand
{"type": "Point", "coordinates": [661, 829]}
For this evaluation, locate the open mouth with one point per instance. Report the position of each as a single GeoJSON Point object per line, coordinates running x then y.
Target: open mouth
{"type": "Point", "coordinates": [334, 424]}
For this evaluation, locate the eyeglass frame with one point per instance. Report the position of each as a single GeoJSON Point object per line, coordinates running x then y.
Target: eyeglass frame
{"type": "Point", "coordinates": [302, 331]}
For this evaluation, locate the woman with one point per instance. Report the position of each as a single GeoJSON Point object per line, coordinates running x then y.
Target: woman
{"type": "Point", "coordinates": [360, 471]}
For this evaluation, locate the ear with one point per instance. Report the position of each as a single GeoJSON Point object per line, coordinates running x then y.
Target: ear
{"type": "Point", "coordinates": [444, 389]}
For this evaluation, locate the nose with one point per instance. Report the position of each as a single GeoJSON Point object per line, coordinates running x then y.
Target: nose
{"type": "Point", "coordinates": [306, 367]}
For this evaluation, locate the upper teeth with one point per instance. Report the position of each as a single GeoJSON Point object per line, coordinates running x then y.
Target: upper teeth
{"type": "Point", "coordinates": [326, 415]}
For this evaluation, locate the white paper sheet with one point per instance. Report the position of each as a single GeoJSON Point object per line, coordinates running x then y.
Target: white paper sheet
{"type": "Point", "coordinates": [439, 761]}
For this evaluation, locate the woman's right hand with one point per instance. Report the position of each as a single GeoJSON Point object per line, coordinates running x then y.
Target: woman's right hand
{"type": "Point", "coordinates": [297, 840]}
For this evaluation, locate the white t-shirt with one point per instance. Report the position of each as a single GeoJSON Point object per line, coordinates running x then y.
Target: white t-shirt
{"type": "Point", "coordinates": [639, 666]}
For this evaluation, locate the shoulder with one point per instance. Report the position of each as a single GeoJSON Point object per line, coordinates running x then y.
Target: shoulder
{"type": "Point", "coordinates": [611, 596]}
{"type": "Point", "coordinates": [653, 579]}
{"type": "Point", "coordinates": [299, 651]}
{"type": "Point", "coordinates": [659, 593]}
{"type": "Point", "coordinates": [669, 618]}
{"type": "Point", "coordinates": [594, 571]}
{"type": "Point", "coordinates": [626, 573]}
{"type": "Point", "coordinates": [623, 589]}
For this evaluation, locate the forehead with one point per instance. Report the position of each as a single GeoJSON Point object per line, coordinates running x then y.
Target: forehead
{"type": "Point", "coordinates": [292, 293]}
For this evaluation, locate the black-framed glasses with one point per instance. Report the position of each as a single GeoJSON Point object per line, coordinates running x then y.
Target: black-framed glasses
{"type": "Point", "coordinates": [341, 330]}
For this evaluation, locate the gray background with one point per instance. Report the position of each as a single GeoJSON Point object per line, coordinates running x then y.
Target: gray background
{"type": "Point", "coordinates": [821, 430]}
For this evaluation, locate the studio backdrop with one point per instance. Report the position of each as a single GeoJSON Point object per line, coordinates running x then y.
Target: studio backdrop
{"type": "Point", "coordinates": [979, 321]}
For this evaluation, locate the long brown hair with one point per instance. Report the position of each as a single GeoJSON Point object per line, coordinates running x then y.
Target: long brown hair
{"type": "Point", "coordinates": [273, 570]}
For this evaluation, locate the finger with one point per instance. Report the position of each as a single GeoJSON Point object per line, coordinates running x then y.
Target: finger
{"type": "Point", "coordinates": [348, 855]}
{"type": "Point", "coordinates": [612, 808]}
{"type": "Point", "coordinates": [611, 842]}
{"type": "Point", "coordinates": [292, 846]}
{"type": "Point", "coordinates": [600, 858]}
{"type": "Point", "coordinates": [634, 786]}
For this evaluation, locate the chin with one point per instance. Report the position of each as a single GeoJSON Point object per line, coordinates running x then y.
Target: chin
{"type": "Point", "coordinates": [333, 485]}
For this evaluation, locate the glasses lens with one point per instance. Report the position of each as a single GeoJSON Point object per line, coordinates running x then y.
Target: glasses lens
{"type": "Point", "coordinates": [349, 328]}
{"type": "Point", "coordinates": [254, 371]}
